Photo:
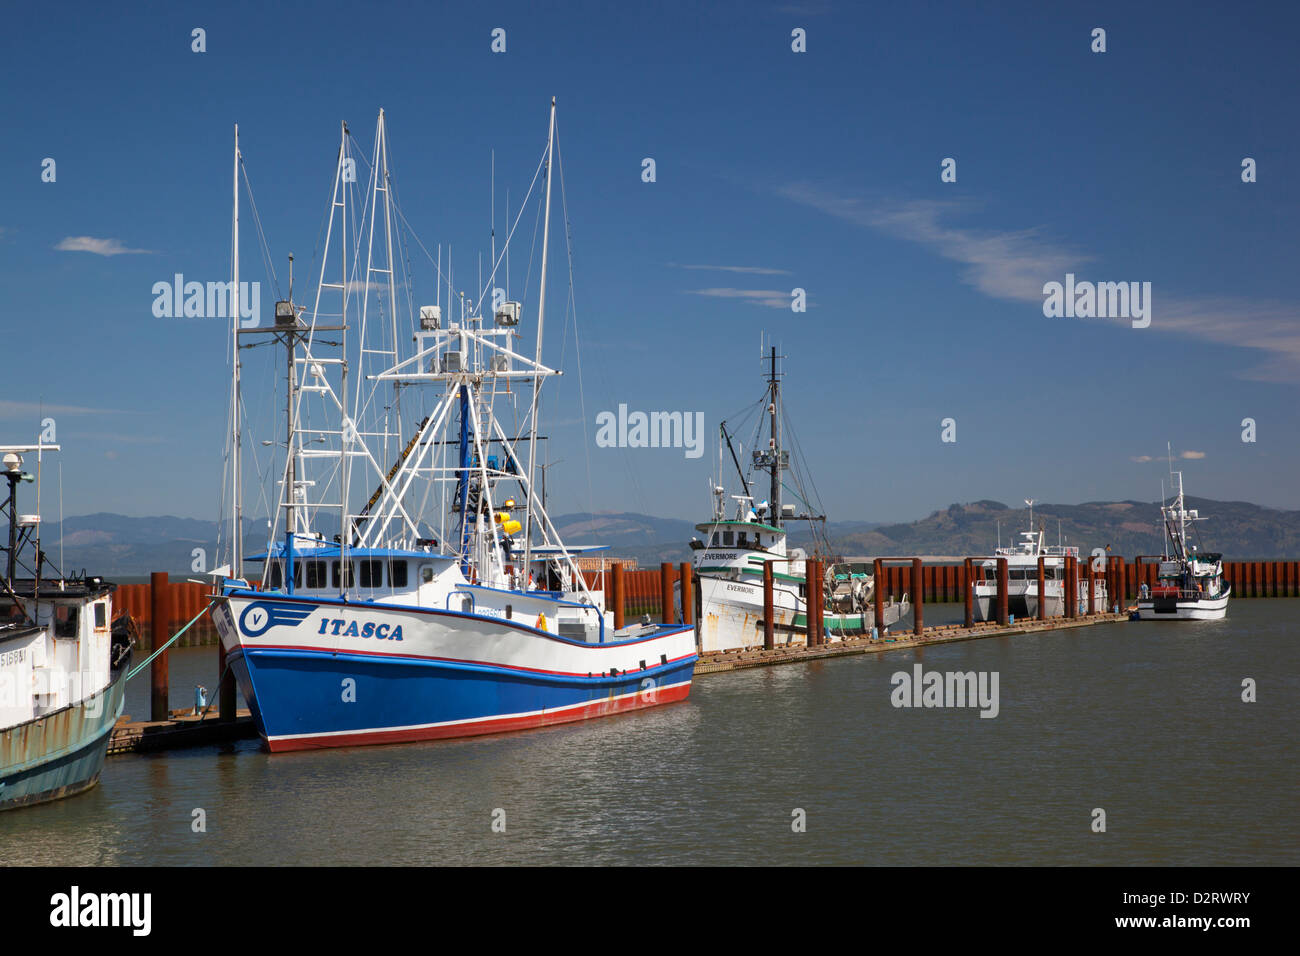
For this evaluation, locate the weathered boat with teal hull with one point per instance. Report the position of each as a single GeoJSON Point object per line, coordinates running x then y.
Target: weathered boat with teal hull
{"type": "Point", "coordinates": [63, 665]}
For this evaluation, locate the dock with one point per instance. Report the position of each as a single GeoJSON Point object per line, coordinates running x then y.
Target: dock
{"type": "Point", "coordinates": [715, 662]}
{"type": "Point", "coordinates": [181, 729]}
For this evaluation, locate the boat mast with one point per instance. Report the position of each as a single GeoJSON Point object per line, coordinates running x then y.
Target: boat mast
{"type": "Point", "coordinates": [237, 490]}
{"type": "Point", "coordinates": [774, 510]}
{"type": "Point", "coordinates": [348, 428]}
{"type": "Point", "coordinates": [541, 316]}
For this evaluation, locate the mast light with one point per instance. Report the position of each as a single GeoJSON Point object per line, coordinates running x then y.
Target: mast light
{"type": "Point", "coordinates": [284, 314]}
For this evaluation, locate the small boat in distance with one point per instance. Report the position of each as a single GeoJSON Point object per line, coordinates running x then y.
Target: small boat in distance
{"type": "Point", "coordinates": [1190, 582]}
{"type": "Point", "coordinates": [63, 663]}
{"type": "Point", "coordinates": [1022, 578]}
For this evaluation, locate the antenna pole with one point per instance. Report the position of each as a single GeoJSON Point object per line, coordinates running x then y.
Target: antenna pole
{"type": "Point", "coordinates": [541, 317]}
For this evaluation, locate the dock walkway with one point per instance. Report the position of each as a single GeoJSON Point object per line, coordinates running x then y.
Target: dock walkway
{"type": "Point", "coordinates": [713, 662]}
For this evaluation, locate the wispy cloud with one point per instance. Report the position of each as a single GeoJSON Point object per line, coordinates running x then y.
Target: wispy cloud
{"type": "Point", "coordinates": [772, 298]}
{"type": "Point", "coordinates": [1004, 265]}
{"type": "Point", "coordinates": [100, 247]}
{"type": "Point", "coordinates": [1192, 455]}
{"type": "Point", "coordinates": [17, 410]}
{"type": "Point", "coordinates": [750, 270]}
{"type": "Point", "coordinates": [1014, 265]}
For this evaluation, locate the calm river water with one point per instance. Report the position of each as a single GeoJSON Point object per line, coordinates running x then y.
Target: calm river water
{"type": "Point", "coordinates": [1142, 720]}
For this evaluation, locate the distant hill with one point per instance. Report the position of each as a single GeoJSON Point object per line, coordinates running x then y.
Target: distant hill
{"type": "Point", "coordinates": [1240, 530]}
{"type": "Point", "coordinates": [111, 544]}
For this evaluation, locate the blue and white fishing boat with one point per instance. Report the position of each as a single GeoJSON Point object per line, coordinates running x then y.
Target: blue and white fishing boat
{"type": "Point", "coordinates": [63, 662]}
{"type": "Point", "coordinates": [446, 605]}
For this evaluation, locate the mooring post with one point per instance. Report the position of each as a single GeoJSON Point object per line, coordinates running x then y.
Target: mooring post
{"type": "Point", "coordinates": [666, 591]}
{"type": "Point", "coordinates": [968, 583]}
{"type": "Point", "coordinates": [810, 600]}
{"type": "Point", "coordinates": [1042, 590]}
{"type": "Point", "coordinates": [821, 602]}
{"type": "Point", "coordinates": [816, 607]}
{"type": "Point", "coordinates": [1072, 576]}
{"type": "Point", "coordinates": [879, 597]}
{"type": "Point", "coordinates": [688, 594]}
{"type": "Point", "coordinates": [1092, 587]}
{"type": "Point", "coordinates": [159, 603]}
{"type": "Point", "coordinates": [918, 596]}
{"type": "Point", "coordinates": [1003, 587]}
{"type": "Point", "coordinates": [225, 687]}
{"type": "Point", "coordinates": [769, 625]}
{"type": "Point", "coordinates": [616, 579]}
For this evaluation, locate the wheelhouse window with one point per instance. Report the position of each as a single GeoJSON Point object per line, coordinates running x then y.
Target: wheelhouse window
{"type": "Point", "coordinates": [277, 574]}
{"type": "Point", "coordinates": [371, 573]}
{"type": "Point", "coordinates": [397, 574]}
{"type": "Point", "coordinates": [316, 576]}
{"type": "Point", "coordinates": [347, 573]}
{"type": "Point", "coordinates": [727, 539]}
{"type": "Point", "coordinates": [65, 621]}
{"type": "Point", "coordinates": [101, 615]}
{"type": "Point", "coordinates": [426, 574]}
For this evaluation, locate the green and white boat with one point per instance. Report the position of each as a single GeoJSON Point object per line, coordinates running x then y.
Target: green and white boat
{"type": "Point", "coordinates": [730, 556]}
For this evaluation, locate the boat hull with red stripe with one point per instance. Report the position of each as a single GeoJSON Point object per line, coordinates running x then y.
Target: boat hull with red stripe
{"type": "Point", "coordinates": [329, 673]}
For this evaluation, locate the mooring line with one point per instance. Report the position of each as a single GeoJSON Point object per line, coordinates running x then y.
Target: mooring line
{"type": "Point", "coordinates": [148, 660]}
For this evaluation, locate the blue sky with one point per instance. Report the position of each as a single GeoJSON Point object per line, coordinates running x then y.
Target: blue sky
{"type": "Point", "coordinates": [818, 170]}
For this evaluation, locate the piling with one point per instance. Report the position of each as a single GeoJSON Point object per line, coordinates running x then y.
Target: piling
{"type": "Point", "coordinates": [918, 596]}
{"type": "Point", "coordinates": [879, 601]}
{"type": "Point", "coordinates": [769, 625]}
{"type": "Point", "coordinates": [225, 688]}
{"type": "Point", "coordinates": [810, 594]}
{"type": "Point", "coordinates": [666, 592]}
{"type": "Point", "coordinates": [819, 609]}
{"type": "Point", "coordinates": [157, 637]}
{"type": "Point", "coordinates": [688, 594]}
{"type": "Point", "coordinates": [1092, 588]}
{"type": "Point", "coordinates": [1042, 591]}
{"type": "Point", "coordinates": [616, 580]}
{"type": "Point", "coordinates": [968, 580]}
{"type": "Point", "coordinates": [1004, 585]}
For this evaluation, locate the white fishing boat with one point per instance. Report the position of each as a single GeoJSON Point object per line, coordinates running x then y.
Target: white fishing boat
{"type": "Point", "coordinates": [446, 605]}
{"type": "Point", "coordinates": [1190, 584]}
{"type": "Point", "coordinates": [63, 662]}
{"type": "Point", "coordinates": [1022, 578]}
{"type": "Point", "coordinates": [729, 559]}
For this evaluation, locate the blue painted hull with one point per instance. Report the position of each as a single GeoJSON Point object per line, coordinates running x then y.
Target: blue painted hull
{"type": "Point", "coordinates": [62, 753]}
{"type": "Point", "coordinates": [304, 700]}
